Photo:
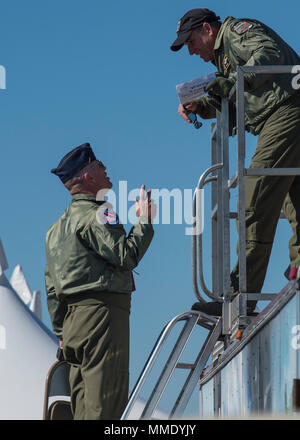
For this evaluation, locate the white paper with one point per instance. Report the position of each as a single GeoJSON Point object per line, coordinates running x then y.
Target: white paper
{"type": "Point", "coordinates": [191, 90]}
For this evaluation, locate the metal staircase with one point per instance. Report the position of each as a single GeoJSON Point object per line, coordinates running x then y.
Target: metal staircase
{"type": "Point", "coordinates": [234, 313]}
{"type": "Point", "coordinates": [191, 318]}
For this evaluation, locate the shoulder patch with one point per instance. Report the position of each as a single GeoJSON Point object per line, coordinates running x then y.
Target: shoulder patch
{"type": "Point", "coordinates": [242, 26]}
{"type": "Point", "coordinates": [110, 217]}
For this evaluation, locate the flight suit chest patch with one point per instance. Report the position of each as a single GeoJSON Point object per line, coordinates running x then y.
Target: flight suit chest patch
{"type": "Point", "coordinates": [110, 217]}
{"type": "Point", "coordinates": [242, 26]}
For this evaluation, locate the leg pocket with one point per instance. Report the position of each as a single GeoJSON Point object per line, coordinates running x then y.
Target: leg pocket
{"type": "Point", "coordinates": [252, 191]}
{"type": "Point", "coordinates": [71, 345]}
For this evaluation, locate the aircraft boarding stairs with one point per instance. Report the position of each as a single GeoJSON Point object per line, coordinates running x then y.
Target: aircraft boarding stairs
{"type": "Point", "coordinates": [224, 331]}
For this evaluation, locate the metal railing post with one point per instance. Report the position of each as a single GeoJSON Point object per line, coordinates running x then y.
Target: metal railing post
{"type": "Point", "coordinates": [219, 266]}
{"type": "Point", "coordinates": [240, 106]}
{"type": "Point", "coordinates": [214, 201]}
{"type": "Point", "coordinates": [226, 217]}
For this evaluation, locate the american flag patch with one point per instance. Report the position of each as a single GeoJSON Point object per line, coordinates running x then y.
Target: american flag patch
{"type": "Point", "coordinates": [110, 217]}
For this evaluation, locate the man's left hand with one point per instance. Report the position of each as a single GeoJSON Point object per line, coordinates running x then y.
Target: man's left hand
{"type": "Point", "coordinates": [220, 87]}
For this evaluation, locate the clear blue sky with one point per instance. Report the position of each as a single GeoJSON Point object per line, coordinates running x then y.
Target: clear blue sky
{"type": "Point", "coordinates": [102, 72]}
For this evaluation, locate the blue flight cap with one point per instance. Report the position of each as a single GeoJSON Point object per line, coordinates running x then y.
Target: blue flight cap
{"type": "Point", "coordinates": [73, 162]}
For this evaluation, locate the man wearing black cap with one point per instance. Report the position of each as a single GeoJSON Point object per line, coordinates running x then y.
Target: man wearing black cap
{"type": "Point", "coordinates": [272, 111]}
{"type": "Point", "coordinates": [89, 283]}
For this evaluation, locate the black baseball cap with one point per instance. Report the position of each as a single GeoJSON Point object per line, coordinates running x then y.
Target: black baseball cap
{"type": "Point", "coordinates": [74, 161]}
{"type": "Point", "coordinates": [193, 19]}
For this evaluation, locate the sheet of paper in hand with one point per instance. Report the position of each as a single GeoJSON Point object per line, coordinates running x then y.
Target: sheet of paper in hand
{"type": "Point", "coordinates": [191, 90]}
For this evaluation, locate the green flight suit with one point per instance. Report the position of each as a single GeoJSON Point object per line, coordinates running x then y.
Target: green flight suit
{"type": "Point", "coordinates": [89, 283]}
{"type": "Point", "coordinates": [272, 110]}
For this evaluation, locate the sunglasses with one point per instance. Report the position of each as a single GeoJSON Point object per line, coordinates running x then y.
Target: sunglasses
{"type": "Point", "coordinates": [98, 162]}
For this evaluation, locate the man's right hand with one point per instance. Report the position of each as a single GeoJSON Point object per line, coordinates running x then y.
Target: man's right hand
{"type": "Point", "coordinates": [184, 110]}
{"type": "Point", "coordinates": [145, 207]}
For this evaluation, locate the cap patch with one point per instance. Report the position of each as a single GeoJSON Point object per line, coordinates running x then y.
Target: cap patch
{"type": "Point", "coordinates": [242, 26]}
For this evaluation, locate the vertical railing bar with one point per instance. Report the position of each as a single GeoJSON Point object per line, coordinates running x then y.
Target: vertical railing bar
{"type": "Point", "coordinates": [240, 105]}
{"type": "Point", "coordinates": [220, 213]}
{"type": "Point", "coordinates": [226, 219]}
{"type": "Point", "coordinates": [214, 254]}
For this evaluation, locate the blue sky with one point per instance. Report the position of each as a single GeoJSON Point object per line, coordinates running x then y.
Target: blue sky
{"type": "Point", "coordinates": [102, 72]}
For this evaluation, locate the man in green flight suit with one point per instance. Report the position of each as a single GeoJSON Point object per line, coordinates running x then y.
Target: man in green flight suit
{"type": "Point", "coordinates": [89, 283]}
{"type": "Point", "coordinates": [272, 111]}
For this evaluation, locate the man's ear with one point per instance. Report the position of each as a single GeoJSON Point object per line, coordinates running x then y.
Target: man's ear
{"type": "Point", "coordinates": [207, 27]}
